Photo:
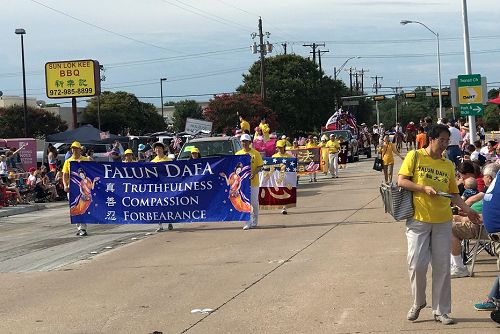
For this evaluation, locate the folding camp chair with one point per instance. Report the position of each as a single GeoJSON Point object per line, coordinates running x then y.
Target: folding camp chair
{"type": "Point", "coordinates": [481, 244]}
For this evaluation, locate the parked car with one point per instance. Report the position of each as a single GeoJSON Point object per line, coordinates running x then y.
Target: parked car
{"type": "Point", "coordinates": [211, 147]}
{"type": "Point", "coordinates": [353, 152]}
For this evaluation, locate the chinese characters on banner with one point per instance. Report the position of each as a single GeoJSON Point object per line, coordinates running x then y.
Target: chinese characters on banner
{"type": "Point", "coordinates": [278, 183]}
{"type": "Point", "coordinates": [309, 160]}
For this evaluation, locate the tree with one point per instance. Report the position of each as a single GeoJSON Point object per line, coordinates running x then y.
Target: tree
{"type": "Point", "coordinates": [223, 111]}
{"type": "Point", "coordinates": [301, 95]}
{"type": "Point", "coordinates": [123, 113]}
{"type": "Point", "coordinates": [40, 122]}
{"type": "Point", "coordinates": [183, 110]}
{"type": "Point", "coordinates": [491, 118]}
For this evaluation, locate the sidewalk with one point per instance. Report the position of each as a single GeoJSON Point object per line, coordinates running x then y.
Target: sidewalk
{"type": "Point", "coordinates": [13, 210]}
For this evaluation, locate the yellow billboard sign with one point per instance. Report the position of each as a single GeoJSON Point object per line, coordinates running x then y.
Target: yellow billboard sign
{"type": "Point", "coordinates": [72, 78]}
{"type": "Point", "coordinates": [470, 94]}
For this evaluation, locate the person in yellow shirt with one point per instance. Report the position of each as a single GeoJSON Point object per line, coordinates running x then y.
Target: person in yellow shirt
{"type": "Point", "coordinates": [195, 153]}
{"type": "Point", "coordinates": [311, 143]}
{"type": "Point", "coordinates": [333, 146]}
{"type": "Point", "coordinates": [431, 179]}
{"type": "Point", "coordinates": [387, 151]}
{"type": "Point", "coordinates": [244, 125]}
{"type": "Point", "coordinates": [76, 155]}
{"type": "Point", "coordinates": [159, 149]}
{"type": "Point", "coordinates": [265, 129]}
{"type": "Point", "coordinates": [128, 156]}
{"type": "Point", "coordinates": [281, 147]}
{"type": "Point", "coordinates": [324, 153]}
{"type": "Point", "coordinates": [255, 167]}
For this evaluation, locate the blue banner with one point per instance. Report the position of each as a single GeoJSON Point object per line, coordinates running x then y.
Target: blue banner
{"type": "Point", "coordinates": [200, 190]}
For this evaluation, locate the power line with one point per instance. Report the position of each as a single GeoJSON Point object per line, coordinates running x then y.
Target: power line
{"type": "Point", "coordinates": [209, 16]}
{"type": "Point", "coordinates": [401, 41]}
{"type": "Point", "coordinates": [104, 29]}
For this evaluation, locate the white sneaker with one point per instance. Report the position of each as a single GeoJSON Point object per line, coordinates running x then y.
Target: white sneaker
{"type": "Point", "coordinates": [246, 227]}
{"type": "Point", "coordinates": [457, 272]}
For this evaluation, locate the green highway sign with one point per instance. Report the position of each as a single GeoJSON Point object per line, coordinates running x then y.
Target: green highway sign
{"type": "Point", "coordinates": [470, 95]}
{"type": "Point", "coordinates": [472, 109]}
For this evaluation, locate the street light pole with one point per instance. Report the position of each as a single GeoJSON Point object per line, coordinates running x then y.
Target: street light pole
{"type": "Point", "coordinates": [161, 93]}
{"type": "Point", "coordinates": [21, 32]}
{"type": "Point", "coordinates": [336, 72]}
{"type": "Point", "coordinates": [405, 22]}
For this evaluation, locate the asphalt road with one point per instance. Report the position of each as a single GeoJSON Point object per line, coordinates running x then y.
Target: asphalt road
{"type": "Point", "coordinates": [335, 264]}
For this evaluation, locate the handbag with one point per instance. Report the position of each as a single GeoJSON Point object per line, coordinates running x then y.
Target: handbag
{"type": "Point", "coordinates": [378, 164]}
{"type": "Point", "coordinates": [398, 202]}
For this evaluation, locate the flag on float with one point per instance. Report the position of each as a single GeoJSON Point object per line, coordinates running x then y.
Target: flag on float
{"type": "Point", "coordinates": [177, 143]}
{"type": "Point", "coordinates": [332, 122]}
{"type": "Point", "coordinates": [278, 183]}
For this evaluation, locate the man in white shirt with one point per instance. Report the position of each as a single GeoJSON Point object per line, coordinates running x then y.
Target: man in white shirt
{"type": "Point", "coordinates": [453, 151]}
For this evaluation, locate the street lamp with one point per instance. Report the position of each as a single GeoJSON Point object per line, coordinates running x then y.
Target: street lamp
{"type": "Point", "coordinates": [161, 92]}
{"type": "Point", "coordinates": [405, 22]}
{"type": "Point", "coordinates": [336, 72]}
{"type": "Point", "coordinates": [21, 32]}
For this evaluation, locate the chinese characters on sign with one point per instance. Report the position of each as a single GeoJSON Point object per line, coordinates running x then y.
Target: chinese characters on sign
{"type": "Point", "coordinates": [75, 78]}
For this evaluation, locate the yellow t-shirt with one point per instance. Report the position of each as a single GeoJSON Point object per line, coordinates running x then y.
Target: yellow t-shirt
{"type": "Point", "coordinates": [387, 151]}
{"type": "Point", "coordinates": [244, 126]}
{"type": "Point", "coordinates": [65, 168]}
{"type": "Point", "coordinates": [256, 162]}
{"type": "Point", "coordinates": [437, 173]}
{"type": "Point", "coordinates": [311, 145]}
{"type": "Point", "coordinates": [265, 130]}
{"type": "Point", "coordinates": [333, 146]}
{"type": "Point", "coordinates": [158, 159]}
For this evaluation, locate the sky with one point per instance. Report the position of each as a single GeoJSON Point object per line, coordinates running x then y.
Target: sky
{"type": "Point", "coordinates": [202, 47]}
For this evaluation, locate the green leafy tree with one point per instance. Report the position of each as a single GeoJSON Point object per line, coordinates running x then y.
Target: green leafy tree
{"type": "Point", "coordinates": [40, 122]}
{"type": "Point", "coordinates": [491, 118]}
{"type": "Point", "coordinates": [123, 113]}
{"type": "Point", "coordinates": [183, 110]}
{"type": "Point", "coordinates": [223, 111]}
{"type": "Point", "coordinates": [300, 94]}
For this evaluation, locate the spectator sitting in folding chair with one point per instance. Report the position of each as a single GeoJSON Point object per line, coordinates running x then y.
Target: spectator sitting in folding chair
{"type": "Point", "coordinates": [463, 228]}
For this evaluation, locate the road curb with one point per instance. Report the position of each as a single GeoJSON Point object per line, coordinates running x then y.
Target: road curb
{"type": "Point", "coordinates": [20, 209]}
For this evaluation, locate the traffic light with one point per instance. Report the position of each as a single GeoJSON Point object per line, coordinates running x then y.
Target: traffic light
{"type": "Point", "coordinates": [410, 95]}
{"type": "Point", "coordinates": [378, 98]}
{"type": "Point", "coordinates": [443, 93]}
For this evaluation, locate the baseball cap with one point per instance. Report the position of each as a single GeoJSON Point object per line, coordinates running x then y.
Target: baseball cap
{"type": "Point", "coordinates": [195, 150]}
{"type": "Point", "coordinates": [280, 143]}
{"type": "Point", "coordinates": [128, 151]}
{"type": "Point", "coordinates": [246, 137]}
{"type": "Point", "coordinates": [76, 144]}
{"type": "Point", "coordinates": [141, 147]}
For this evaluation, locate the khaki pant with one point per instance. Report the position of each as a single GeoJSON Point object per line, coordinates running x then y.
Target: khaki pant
{"type": "Point", "coordinates": [430, 243]}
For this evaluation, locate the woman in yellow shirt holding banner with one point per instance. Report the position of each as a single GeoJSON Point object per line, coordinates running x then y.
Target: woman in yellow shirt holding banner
{"type": "Point", "coordinates": [431, 178]}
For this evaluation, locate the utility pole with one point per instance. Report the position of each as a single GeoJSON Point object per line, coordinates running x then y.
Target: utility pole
{"type": "Point", "coordinates": [314, 46]}
{"type": "Point", "coordinates": [362, 73]}
{"type": "Point", "coordinates": [263, 49]}
{"type": "Point", "coordinates": [357, 85]}
{"type": "Point", "coordinates": [262, 54]}
{"type": "Point", "coordinates": [319, 57]}
{"type": "Point", "coordinates": [284, 46]}
{"type": "Point", "coordinates": [376, 86]}
{"type": "Point", "coordinates": [350, 80]}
